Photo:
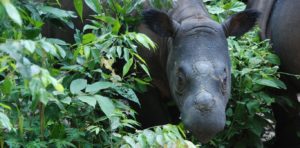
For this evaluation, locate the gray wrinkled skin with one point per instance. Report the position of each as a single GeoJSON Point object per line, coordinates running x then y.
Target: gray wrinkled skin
{"type": "Point", "coordinates": [193, 52]}
{"type": "Point", "coordinates": [198, 70]}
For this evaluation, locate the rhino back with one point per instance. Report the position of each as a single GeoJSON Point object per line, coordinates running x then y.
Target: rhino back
{"type": "Point", "coordinates": [285, 35]}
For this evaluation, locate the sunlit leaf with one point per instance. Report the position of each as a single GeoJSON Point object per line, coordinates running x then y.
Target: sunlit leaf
{"type": "Point", "coordinates": [95, 5]}
{"type": "Point", "coordinates": [78, 4]}
{"type": "Point", "coordinates": [78, 85]}
{"type": "Point", "coordinates": [127, 66]}
{"type": "Point", "coordinates": [5, 122]}
{"type": "Point", "coordinates": [12, 11]}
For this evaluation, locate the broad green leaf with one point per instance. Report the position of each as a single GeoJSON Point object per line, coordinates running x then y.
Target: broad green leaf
{"type": "Point", "coordinates": [215, 10]}
{"type": "Point", "coordinates": [29, 45]}
{"type": "Point", "coordinates": [106, 105]}
{"type": "Point", "coordinates": [90, 100]}
{"type": "Point", "coordinates": [189, 144]}
{"type": "Point", "coordinates": [66, 100]}
{"type": "Point", "coordinates": [95, 87]}
{"type": "Point", "coordinates": [12, 11]}
{"type": "Point", "coordinates": [57, 41]}
{"type": "Point", "coordinates": [160, 140]}
{"type": "Point", "coordinates": [59, 13]}
{"type": "Point", "coordinates": [275, 83]}
{"type": "Point", "coordinates": [253, 106]}
{"type": "Point", "coordinates": [130, 141]}
{"type": "Point", "coordinates": [6, 86]}
{"type": "Point", "coordinates": [145, 41]}
{"type": "Point", "coordinates": [78, 4]}
{"type": "Point", "coordinates": [127, 66]}
{"type": "Point", "coordinates": [78, 85]}
{"type": "Point", "coordinates": [95, 5]}
{"type": "Point", "coordinates": [106, 19]}
{"type": "Point", "coordinates": [238, 7]}
{"type": "Point", "coordinates": [49, 48]}
{"type": "Point", "coordinates": [114, 123]}
{"type": "Point", "coordinates": [61, 51]}
{"type": "Point", "coordinates": [119, 51]}
{"type": "Point", "coordinates": [59, 87]}
{"type": "Point", "coordinates": [87, 51]}
{"type": "Point", "coordinates": [87, 38]}
{"type": "Point", "coordinates": [5, 122]}
{"type": "Point", "coordinates": [274, 59]}
{"type": "Point", "coordinates": [127, 93]}
{"type": "Point", "coordinates": [116, 27]}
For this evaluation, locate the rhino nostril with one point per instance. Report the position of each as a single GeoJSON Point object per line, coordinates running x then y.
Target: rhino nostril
{"type": "Point", "coordinates": [204, 102]}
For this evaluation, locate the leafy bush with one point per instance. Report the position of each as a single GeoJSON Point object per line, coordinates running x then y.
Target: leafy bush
{"type": "Point", "coordinates": [54, 94]}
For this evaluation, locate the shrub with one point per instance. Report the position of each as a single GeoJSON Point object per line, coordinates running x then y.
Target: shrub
{"type": "Point", "coordinates": [54, 94]}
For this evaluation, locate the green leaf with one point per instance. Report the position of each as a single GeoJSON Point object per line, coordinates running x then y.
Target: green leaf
{"type": "Point", "coordinates": [87, 51]}
{"type": "Point", "coordinates": [88, 99]}
{"type": "Point", "coordinates": [145, 40]}
{"type": "Point", "coordinates": [59, 13]}
{"type": "Point", "coordinates": [253, 106]}
{"type": "Point", "coordinates": [116, 27]}
{"type": "Point", "coordinates": [78, 4]}
{"type": "Point", "coordinates": [238, 7]}
{"type": "Point", "coordinates": [145, 69]}
{"type": "Point", "coordinates": [95, 87]}
{"type": "Point", "coordinates": [106, 105]}
{"type": "Point", "coordinates": [5, 122]}
{"type": "Point", "coordinates": [49, 48]}
{"type": "Point", "coordinates": [127, 93]}
{"type": "Point", "coordinates": [5, 106]}
{"type": "Point", "coordinates": [67, 100]}
{"type": "Point", "coordinates": [6, 86]}
{"type": "Point", "coordinates": [106, 19]}
{"type": "Point", "coordinates": [127, 66]}
{"type": "Point", "coordinates": [95, 5]}
{"type": "Point", "coordinates": [29, 45]}
{"type": "Point", "coordinates": [78, 85]}
{"type": "Point", "coordinates": [130, 141]}
{"type": "Point", "coordinates": [275, 83]}
{"type": "Point", "coordinates": [274, 59]}
{"type": "Point", "coordinates": [215, 10]}
{"type": "Point", "coordinates": [12, 12]}
{"type": "Point", "coordinates": [87, 38]}
{"type": "Point", "coordinates": [61, 51]}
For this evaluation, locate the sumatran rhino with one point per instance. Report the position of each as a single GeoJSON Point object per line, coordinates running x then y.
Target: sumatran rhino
{"type": "Point", "coordinates": [191, 64]}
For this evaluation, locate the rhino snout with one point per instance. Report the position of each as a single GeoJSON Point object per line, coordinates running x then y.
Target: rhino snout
{"type": "Point", "coordinates": [204, 102]}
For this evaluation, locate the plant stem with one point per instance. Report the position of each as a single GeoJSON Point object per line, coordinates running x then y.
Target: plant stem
{"type": "Point", "coordinates": [42, 120]}
{"type": "Point", "coordinates": [1, 142]}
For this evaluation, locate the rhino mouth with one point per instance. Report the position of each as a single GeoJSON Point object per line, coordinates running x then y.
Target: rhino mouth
{"type": "Point", "coordinates": [203, 124]}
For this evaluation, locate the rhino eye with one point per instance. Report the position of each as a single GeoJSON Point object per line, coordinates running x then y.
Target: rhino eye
{"type": "Point", "coordinates": [180, 83]}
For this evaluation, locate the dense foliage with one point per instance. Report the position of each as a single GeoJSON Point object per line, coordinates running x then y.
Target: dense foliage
{"type": "Point", "coordinates": [57, 94]}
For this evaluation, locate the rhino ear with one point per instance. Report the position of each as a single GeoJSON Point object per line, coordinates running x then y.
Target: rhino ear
{"type": "Point", "coordinates": [159, 22]}
{"type": "Point", "coordinates": [240, 23]}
